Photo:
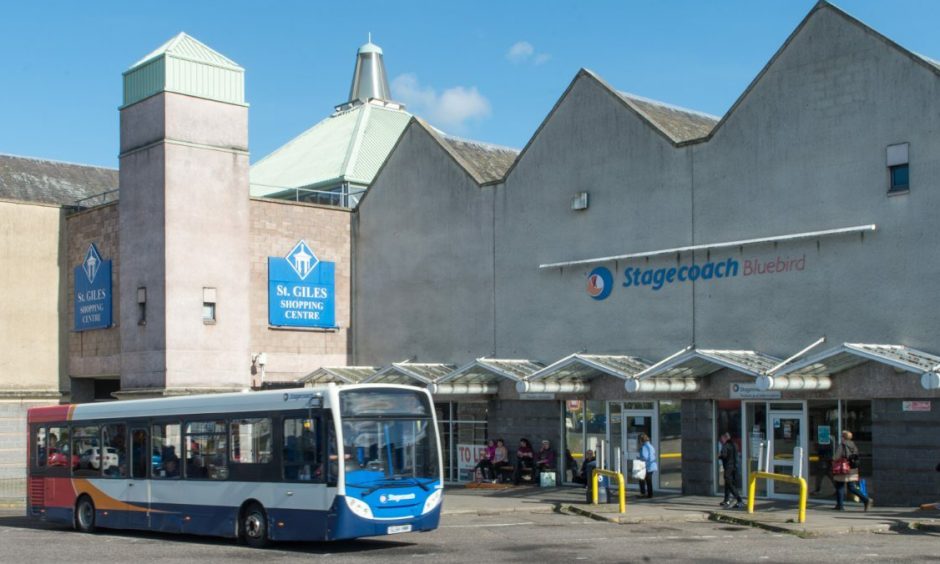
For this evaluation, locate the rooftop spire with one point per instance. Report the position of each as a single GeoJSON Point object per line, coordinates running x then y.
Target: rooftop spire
{"type": "Point", "coordinates": [369, 79]}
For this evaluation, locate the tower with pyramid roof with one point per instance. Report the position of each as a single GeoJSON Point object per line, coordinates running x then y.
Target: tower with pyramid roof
{"type": "Point", "coordinates": [335, 161]}
{"type": "Point", "coordinates": [184, 222]}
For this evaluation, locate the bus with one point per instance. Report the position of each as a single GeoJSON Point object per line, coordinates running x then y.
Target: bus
{"type": "Point", "coordinates": [309, 464]}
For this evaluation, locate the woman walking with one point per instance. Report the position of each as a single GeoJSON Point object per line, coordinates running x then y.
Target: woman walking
{"type": "Point", "coordinates": [845, 463]}
{"type": "Point", "coordinates": [647, 455]}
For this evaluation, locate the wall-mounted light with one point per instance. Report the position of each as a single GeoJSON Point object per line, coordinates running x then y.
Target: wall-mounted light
{"type": "Point", "coordinates": [580, 201]}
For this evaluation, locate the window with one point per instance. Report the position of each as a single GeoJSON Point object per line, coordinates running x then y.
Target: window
{"type": "Point", "coordinates": [165, 449]}
{"type": "Point", "coordinates": [208, 305]}
{"type": "Point", "coordinates": [86, 444]}
{"type": "Point", "coordinates": [898, 162]}
{"type": "Point", "coordinates": [140, 457]}
{"type": "Point", "coordinates": [206, 450]}
{"type": "Point", "coordinates": [251, 441]}
{"type": "Point", "coordinates": [302, 457]}
{"type": "Point", "coordinates": [39, 439]}
{"type": "Point", "coordinates": [57, 449]}
{"type": "Point", "coordinates": [141, 306]}
{"type": "Point", "coordinates": [112, 457]}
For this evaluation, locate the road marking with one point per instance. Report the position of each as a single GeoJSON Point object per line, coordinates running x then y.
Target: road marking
{"type": "Point", "coordinates": [486, 525]}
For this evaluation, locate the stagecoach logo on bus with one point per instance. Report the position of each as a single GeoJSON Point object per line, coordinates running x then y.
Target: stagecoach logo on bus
{"type": "Point", "coordinates": [93, 292]}
{"type": "Point", "coordinates": [384, 498]}
{"type": "Point", "coordinates": [600, 280]}
{"type": "Point", "coordinates": [300, 289]}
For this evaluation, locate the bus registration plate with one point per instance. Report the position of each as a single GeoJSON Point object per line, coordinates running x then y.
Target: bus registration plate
{"type": "Point", "coordinates": [399, 529]}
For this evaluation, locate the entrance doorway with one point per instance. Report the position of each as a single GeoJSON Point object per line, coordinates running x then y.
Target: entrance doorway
{"type": "Point", "coordinates": [783, 426]}
{"type": "Point", "coordinates": [661, 421]}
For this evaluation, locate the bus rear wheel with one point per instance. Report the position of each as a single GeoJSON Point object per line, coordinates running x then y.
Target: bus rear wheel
{"type": "Point", "coordinates": [254, 526]}
{"type": "Point", "coordinates": [85, 515]}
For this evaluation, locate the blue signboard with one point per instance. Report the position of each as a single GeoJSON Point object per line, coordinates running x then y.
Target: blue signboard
{"type": "Point", "coordinates": [301, 289]}
{"type": "Point", "coordinates": [93, 292]}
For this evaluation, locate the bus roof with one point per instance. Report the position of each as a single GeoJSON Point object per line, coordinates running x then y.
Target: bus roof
{"type": "Point", "coordinates": [272, 400]}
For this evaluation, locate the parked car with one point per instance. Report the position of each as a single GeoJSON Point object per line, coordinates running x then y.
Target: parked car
{"type": "Point", "coordinates": [92, 457]}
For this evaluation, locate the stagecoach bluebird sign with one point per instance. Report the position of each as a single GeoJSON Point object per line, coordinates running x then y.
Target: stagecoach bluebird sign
{"type": "Point", "coordinates": [300, 290]}
{"type": "Point", "coordinates": [93, 292]}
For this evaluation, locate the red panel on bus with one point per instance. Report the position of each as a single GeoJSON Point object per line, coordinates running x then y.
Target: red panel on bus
{"type": "Point", "coordinates": [50, 414]}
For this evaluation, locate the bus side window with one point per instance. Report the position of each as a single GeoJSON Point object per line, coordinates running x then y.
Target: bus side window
{"type": "Point", "coordinates": [86, 451]}
{"type": "Point", "coordinates": [165, 449]}
{"type": "Point", "coordinates": [140, 457]}
{"type": "Point", "coordinates": [57, 450]}
{"type": "Point", "coordinates": [251, 440]}
{"type": "Point", "coordinates": [39, 439]}
{"type": "Point", "coordinates": [301, 451]}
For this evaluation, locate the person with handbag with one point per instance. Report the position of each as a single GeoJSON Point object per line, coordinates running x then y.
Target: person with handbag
{"type": "Point", "coordinates": [648, 456]}
{"type": "Point", "coordinates": [845, 463]}
{"type": "Point", "coordinates": [729, 464]}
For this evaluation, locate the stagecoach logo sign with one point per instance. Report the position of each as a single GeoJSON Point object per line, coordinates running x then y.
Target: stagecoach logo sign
{"type": "Point", "coordinates": [396, 497]}
{"type": "Point", "coordinates": [300, 289]}
{"type": "Point", "coordinates": [92, 308]}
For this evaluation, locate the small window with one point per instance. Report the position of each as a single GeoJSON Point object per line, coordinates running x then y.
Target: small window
{"type": "Point", "coordinates": [141, 306]}
{"type": "Point", "coordinates": [302, 457]}
{"type": "Point", "coordinates": [57, 449]}
{"type": "Point", "coordinates": [165, 449]}
{"type": "Point", "coordinates": [208, 305]}
{"type": "Point", "coordinates": [897, 158]}
{"type": "Point", "coordinates": [251, 441]}
{"type": "Point", "coordinates": [40, 440]}
{"type": "Point", "coordinates": [112, 456]}
{"type": "Point", "coordinates": [206, 450]}
{"type": "Point", "coordinates": [86, 445]}
{"type": "Point", "coordinates": [900, 178]}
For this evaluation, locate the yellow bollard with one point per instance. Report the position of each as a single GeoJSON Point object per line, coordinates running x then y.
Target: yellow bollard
{"type": "Point", "coordinates": [621, 487]}
{"type": "Point", "coordinates": [752, 487]}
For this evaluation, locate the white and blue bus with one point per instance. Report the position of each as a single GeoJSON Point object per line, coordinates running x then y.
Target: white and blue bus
{"type": "Point", "coordinates": [304, 464]}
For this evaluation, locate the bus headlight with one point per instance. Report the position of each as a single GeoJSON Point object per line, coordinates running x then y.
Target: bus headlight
{"type": "Point", "coordinates": [359, 507]}
{"type": "Point", "coordinates": [433, 501]}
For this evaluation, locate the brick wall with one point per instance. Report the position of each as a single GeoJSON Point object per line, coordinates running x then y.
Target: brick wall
{"type": "Point", "coordinates": [698, 447]}
{"type": "Point", "coordinates": [97, 352]}
{"type": "Point", "coordinates": [905, 453]}
{"type": "Point", "coordinates": [276, 226]}
{"type": "Point", "coordinates": [512, 420]}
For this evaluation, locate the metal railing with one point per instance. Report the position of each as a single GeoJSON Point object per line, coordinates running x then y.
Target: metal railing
{"type": "Point", "coordinates": [97, 200]}
{"type": "Point", "coordinates": [752, 489]}
{"type": "Point", "coordinates": [620, 486]}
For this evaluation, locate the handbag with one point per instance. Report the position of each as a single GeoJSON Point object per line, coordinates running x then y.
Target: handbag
{"type": "Point", "coordinates": [639, 470]}
{"type": "Point", "coordinates": [841, 467]}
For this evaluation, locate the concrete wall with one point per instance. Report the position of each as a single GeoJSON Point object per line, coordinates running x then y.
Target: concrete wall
{"type": "Point", "coordinates": [424, 260]}
{"type": "Point", "coordinates": [276, 226]}
{"type": "Point", "coordinates": [94, 353]}
{"type": "Point", "coordinates": [904, 453]}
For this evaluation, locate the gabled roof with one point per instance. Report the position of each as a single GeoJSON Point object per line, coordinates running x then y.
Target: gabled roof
{"type": "Point", "coordinates": [679, 124]}
{"type": "Point", "coordinates": [487, 163]}
{"type": "Point", "coordinates": [696, 363]}
{"type": "Point", "coordinates": [338, 375]}
{"type": "Point", "coordinates": [349, 146]}
{"type": "Point", "coordinates": [849, 355]}
{"type": "Point", "coordinates": [52, 182]}
{"type": "Point", "coordinates": [409, 373]}
{"type": "Point", "coordinates": [183, 46]}
{"type": "Point", "coordinates": [580, 367]}
{"type": "Point", "coordinates": [492, 370]}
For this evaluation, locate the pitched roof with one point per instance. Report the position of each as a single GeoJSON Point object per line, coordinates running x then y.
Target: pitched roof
{"type": "Point", "coordinates": [488, 162]}
{"type": "Point", "coordinates": [183, 46]}
{"type": "Point", "coordinates": [348, 146]}
{"type": "Point", "coordinates": [52, 182]}
{"type": "Point", "coordinates": [680, 124]}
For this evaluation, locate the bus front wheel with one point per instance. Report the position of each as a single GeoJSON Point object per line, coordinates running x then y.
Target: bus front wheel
{"type": "Point", "coordinates": [254, 526]}
{"type": "Point", "coordinates": [85, 515]}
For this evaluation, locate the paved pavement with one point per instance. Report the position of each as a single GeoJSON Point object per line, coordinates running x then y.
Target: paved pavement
{"type": "Point", "coordinates": [774, 515]}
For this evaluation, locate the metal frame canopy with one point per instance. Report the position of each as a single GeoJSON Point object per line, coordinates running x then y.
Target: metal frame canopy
{"type": "Point", "coordinates": [574, 373]}
{"type": "Point", "coordinates": [402, 372]}
{"type": "Point", "coordinates": [482, 376]}
{"type": "Point", "coordinates": [684, 370]}
{"type": "Point", "coordinates": [849, 355]}
{"type": "Point", "coordinates": [338, 375]}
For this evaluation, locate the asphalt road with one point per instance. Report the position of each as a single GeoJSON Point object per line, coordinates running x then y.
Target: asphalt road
{"type": "Point", "coordinates": [522, 537]}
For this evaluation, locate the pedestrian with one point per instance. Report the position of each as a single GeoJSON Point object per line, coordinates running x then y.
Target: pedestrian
{"type": "Point", "coordinates": [648, 456]}
{"type": "Point", "coordinates": [845, 465]}
{"type": "Point", "coordinates": [729, 464]}
{"type": "Point", "coordinates": [587, 468]}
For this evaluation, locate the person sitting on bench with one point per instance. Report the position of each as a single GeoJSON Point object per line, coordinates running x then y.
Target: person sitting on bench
{"type": "Point", "coordinates": [525, 460]}
{"type": "Point", "coordinates": [544, 460]}
{"type": "Point", "coordinates": [501, 466]}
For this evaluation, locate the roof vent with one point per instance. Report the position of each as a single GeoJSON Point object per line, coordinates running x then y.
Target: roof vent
{"type": "Point", "coordinates": [369, 80]}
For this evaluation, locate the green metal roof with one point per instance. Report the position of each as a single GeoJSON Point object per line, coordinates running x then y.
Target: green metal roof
{"type": "Point", "coordinates": [185, 66]}
{"type": "Point", "coordinates": [349, 146]}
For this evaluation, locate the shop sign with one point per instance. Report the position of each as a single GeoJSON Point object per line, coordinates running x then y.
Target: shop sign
{"type": "Point", "coordinates": [468, 456]}
{"type": "Point", "coordinates": [751, 391]}
{"type": "Point", "coordinates": [574, 405]}
{"type": "Point", "coordinates": [536, 396]}
{"type": "Point", "coordinates": [93, 292]}
{"type": "Point", "coordinates": [301, 290]}
{"type": "Point", "coordinates": [915, 405]}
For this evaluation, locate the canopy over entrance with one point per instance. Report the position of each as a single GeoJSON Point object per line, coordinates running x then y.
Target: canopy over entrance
{"type": "Point", "coordinates": [573, 374]}
{"type": "Point", "coordinates": [483, 375]}
{"type": "Point", "coordinates": [338, 375]}
{"type": "Point", "coordinates": [684, 370]}
{"type": "Point", "coordinates": [410, 373]}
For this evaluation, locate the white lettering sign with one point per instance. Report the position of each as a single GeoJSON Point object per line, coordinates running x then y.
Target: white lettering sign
{"type": "Point", "coordinates": [751, 391]}
{"type": "Point", "coordinates": [468, 456]}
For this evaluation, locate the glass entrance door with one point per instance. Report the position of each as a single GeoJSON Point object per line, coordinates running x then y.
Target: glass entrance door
{"type": "Point", "coordinates": [635, 422]}
{"type": "Point", "coordinates": [787, 431]}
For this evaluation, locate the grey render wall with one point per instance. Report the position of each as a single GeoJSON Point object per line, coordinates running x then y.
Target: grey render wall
{"type": "Point", "coordinates": [423, 259]}
{"type": "Point", "coordinates": [904, 453]}
{"type": "Point", "coordinates": [639, 187]}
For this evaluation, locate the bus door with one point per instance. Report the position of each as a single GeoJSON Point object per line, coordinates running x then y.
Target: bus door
{"type": "Point", "coordinates": [137, 492]}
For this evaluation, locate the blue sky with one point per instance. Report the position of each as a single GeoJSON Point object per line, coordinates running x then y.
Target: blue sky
{"type": "Point", "coordinates": [484, 70]}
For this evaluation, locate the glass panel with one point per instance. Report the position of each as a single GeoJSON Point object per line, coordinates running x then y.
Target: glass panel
{"type": "Point", "coordinates": [112, 458]}
{"type": "Point", "coordinates": [363, 403]}
{"type": "Point", "coordinates": [140, 458]}
{"type": "Point", "coordinates": [389, 449]}
{"type": "Point", "coordinates": [616, 429]}
{"type": "Point", "coordinates": [164, 455]}
{"type": "Point", "coordinates": [756, 427]}
{"type": "Point", "coordinates": [670, 445]}
{"type": "Point", "coordinates": [469, 434]}
{"type": "Point", "coordinates": [85, 442]}
{"type": "Point", "coordinates": [900, 177]}
{"type": "Point", "coordinates": [638, 405]}
{"type": "Point", "coordinates": [251, 441]}
{"type": "Point", "coordinates": [471, 411]}
{"type": "Point", "coordinates": [786, 433]}
{"type": "Point", "coordinates": [786, 406]}
{"type": "Point", "coordinates": [302, 458]}
{"type": "Point", "coordinates": [727, 420]}
{"type": "Point", "coordinates": [823, 436]}
{"type": "Point", "coordinates": [39, 439]}
{"type": "Point", "coordinates": [574, 428]}
{"type": "Point", "coordinates": [856, 417]}
{"type": "Point", "coordinates": [595, 425]}
{"type": "Point", "coordinates": [635, 423]}
{"type": "Point", "coordinates": [206, 450]}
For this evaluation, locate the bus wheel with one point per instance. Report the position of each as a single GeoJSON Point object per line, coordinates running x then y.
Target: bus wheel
{"type": "Point", "coordinates": [254, 526]}
{"type": "Point", "coordinates": [85, 515]}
